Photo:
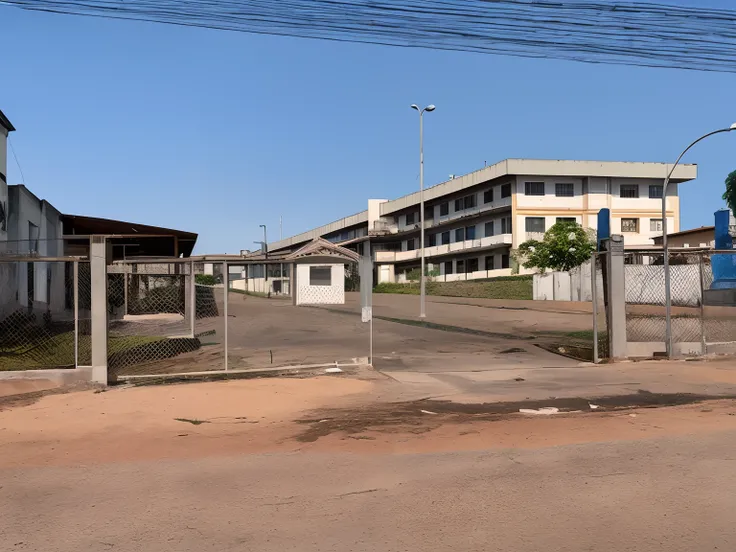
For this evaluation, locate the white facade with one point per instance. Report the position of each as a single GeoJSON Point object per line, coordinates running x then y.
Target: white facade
{"type": "Point", "coordinates": [320, 284]}
{"type": "Point", "coordinates": [28, 226]}
{"type": "Point", "coordinates": [472, 223]}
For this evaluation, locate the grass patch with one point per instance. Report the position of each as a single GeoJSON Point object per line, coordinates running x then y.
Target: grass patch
{"type": "Point", "coordinates": [57, 351]}
{"type": "Point", "coordinates": [503, 287]}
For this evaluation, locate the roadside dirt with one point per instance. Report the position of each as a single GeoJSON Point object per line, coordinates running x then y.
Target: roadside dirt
{"type": "Point", "coordinates": [322, 414]}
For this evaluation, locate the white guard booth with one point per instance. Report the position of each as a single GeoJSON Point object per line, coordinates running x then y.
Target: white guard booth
{"type": "Point", "coordinates": [318, 270]}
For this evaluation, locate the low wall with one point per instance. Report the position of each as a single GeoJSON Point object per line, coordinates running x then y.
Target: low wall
{"type": "Point", "coordinates": [644, 285]}
{"type": "Point", "coordinates": [575, 285]}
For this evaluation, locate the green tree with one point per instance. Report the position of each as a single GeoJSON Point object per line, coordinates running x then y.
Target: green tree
{"type": "Point", "coordinates": [565, 246]}
{"type": "Point", "coordinates": [730, 194]}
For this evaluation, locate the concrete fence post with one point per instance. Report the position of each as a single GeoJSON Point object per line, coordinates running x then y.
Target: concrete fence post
{"type": "Point", "coordinates": [616, 308]}
{"type": "Point", "coordinates": [98, 274]}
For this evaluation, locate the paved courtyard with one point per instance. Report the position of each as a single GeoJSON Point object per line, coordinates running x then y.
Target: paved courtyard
{"type": "Point", "coordinates": [474, 335]}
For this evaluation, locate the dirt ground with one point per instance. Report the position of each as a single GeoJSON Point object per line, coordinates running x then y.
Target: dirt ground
{"type": "Point", "coordinates": [364, 412]}
{"type": "Point", "coordinates": [362, 462]}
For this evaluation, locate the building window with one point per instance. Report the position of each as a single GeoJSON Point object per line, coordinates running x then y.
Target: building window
{"type": "Point", "coordinates": [320, 276]}
{"type": "Point", "coordinates": [459, 234]}
{"type": "Point", "coordinates": [490, 262]}
{"type": "Point", "coordinates": [629, 224]}
{"type": "Point", "coordinates": [629, 190]}
{"type": "Point", "coordinates": [470, 233]}
{"type": "Point", "coordinates": [534, 188]}
{"type": "Point", "coordinates": [535, 224]}
{"type": "Point", "coordinates": [444, 209]}
{"type": "Point", "coordinates": [566, 219]}
{"type": "Point", "coordinates": [469, 201]}
{"type": "Point", "coordinates": [458, 205]}
{"type": "Point", "coordinates": [506, 225]}
{"type": "Point", "coordinates": [655, 191]}
{"type": "Point", "coordinates": [489, 229]}
{"type": "Point", "coordinates": [472, 265]}
{"type": "Point", "coordinates": [564, 189]}
{"type": "Point", "coordinates": [448, 267]}
{"type": "Point", "coordinates": [655, 225]}
{"type": "Point", "coordinates": [446, 238]}
{"type": "Point", "coordinates": [488, 196]}
{"type": "Point", "coordinates": [432, 240]}
{"type": "Point", "coordinates": [410, 245]}
{"type": "Point", "coordinates": [460, 267]}
{"type": "Point", "coordinates": [409, 219]}
{"type": "Point", "coordinates": [505, 190]}
{"type": "Point", "coordinates": [505, 261]}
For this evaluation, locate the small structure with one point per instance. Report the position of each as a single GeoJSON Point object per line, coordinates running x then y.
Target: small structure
{"type": "Point", "coordinates": [319, 273]}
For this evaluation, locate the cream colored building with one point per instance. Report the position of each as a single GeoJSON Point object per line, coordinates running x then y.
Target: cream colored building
{"type": "Point", "coordinates": [474, 221]}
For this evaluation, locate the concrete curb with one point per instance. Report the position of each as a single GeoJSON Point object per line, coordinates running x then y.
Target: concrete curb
{"type": "Point", "coordinates": [308, 369]}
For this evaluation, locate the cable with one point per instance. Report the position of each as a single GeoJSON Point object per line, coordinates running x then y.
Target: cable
{"type": "Point", "coordinates": [631, 33]}
{"type": "Point", "coordinates": [20, 169]}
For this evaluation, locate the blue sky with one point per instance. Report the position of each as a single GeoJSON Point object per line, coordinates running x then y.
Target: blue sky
{"type": "Point", "coordinates": [217, 132]}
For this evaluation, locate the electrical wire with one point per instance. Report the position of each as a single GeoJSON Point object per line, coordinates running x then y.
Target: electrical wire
{"type": "Point", "coordinates": [630, 33]}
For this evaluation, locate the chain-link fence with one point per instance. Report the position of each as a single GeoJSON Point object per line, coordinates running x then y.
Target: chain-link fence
{"type": "Point", "coordinates": [267, 329]}
{"type": "Point", "coordinates": [599, 301]}
{"type": "Point", "coordinates": [150, 317]}
{"type": "Point", "coordinates": [40, 314]}
{"type": "Point", "coordinates": [703, 306]}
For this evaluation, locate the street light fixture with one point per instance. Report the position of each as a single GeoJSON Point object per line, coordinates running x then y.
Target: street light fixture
{"type": "Point", "coordinates": [667, 293]}
{"type": "Point", "coordinates": [422, 279]}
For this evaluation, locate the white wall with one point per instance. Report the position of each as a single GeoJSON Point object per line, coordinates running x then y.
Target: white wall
{"type": "Point", "coordinates": [307, 294]}
{"type": "Point", "coordinates": [575, 285]}
{"type": "Point", "coordinates": [644, 285]}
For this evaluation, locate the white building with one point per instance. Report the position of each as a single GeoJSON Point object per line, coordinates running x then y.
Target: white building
{"type": "Point", "coordinates": [474, 221]}
{"type": "Point", "coordinates": [29, 226]}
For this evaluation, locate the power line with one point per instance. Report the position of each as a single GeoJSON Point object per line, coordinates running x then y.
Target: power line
{"type": "Point", "coordinates": [630, 33]}
{"type": "Point", "coordinates": [20, 169]}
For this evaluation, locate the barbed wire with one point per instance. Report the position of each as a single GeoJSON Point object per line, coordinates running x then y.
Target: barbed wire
{"type": "Point", "coordinates": [629, 33]}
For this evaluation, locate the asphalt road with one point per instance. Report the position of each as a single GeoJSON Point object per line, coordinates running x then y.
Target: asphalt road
{"type": "Point", "coordinates": [673, 494]}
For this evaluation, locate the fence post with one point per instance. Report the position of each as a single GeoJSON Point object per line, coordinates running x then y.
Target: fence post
{"type": "Point", "coordinates": [703, 343]}
{"type": "Point", "coordinates": [76, 314]}
{"type": "Point", "coordinates": [192, 298]}
{"type": "Point", "coordinates": [594, 298]}
{"type": "Point", "coordinates": [225, 278]}
{"type": "Point", "coordinates": [616, 309]}
{"type": "Point", "coordinates": [98, 275]}
{"type": "Point", "coordinates": [125, 288]}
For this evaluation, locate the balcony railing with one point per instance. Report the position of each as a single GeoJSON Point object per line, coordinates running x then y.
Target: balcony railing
{"type": "Point", "coordinates": [436, 250]}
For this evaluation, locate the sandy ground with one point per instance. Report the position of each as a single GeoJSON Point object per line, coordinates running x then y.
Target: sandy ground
{"type": "Point", "coordinates": [367, 412]}
{"type": "Point", "coordinates": [357, 463]}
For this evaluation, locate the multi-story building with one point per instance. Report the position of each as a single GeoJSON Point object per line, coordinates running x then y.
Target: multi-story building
{"type": "Point", "coordinates": [473, 222]}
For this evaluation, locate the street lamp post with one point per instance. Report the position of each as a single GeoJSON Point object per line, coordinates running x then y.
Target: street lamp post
{"type": "Point", "coordinates": [667, 292]}
{"type": "Point", "coordinates": [422, 279]}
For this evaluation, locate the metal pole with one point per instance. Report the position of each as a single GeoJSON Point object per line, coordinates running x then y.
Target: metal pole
{"type": "Point", "coordinates": [76, 314]}
{"type": "Point", "coordinates": [422, 285]}
{"type": "Point", "coordinates": [703, 344]}
{"type": "Point", "coordinates": [594, 293]}
{"type": "Point", "coordinates": [125, 286]}
{"type": "Point", "coordinates": [667, 294]}
{"type": "Point", "coordinates": [225, 278]}
{"type": "Point", "coordinates": [281, 266]}
{"type": "Point", "coordinates": [192, 298]}
{"type": "Point", "coordinates": [370, 351]}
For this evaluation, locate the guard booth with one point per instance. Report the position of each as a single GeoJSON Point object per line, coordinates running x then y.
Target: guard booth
{"type": "Point", "coordinates": [318, 271]}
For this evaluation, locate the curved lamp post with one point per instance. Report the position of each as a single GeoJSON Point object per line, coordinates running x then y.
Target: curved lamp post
{"type": "Point", "coordinates": [667, 293]}
{"type": "Point", "coordinates": [422, 285]}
